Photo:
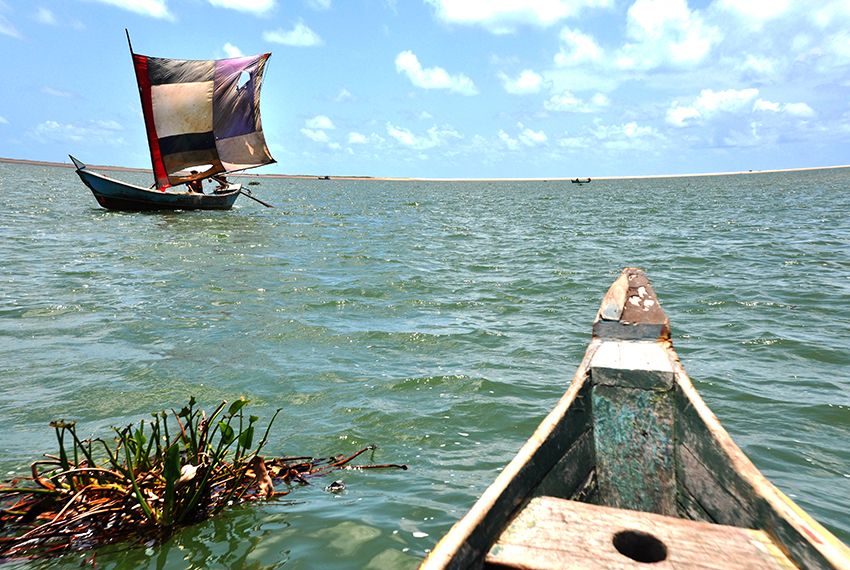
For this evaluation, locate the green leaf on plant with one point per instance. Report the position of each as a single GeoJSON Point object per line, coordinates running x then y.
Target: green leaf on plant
{"type": "Point", "coordinates": [227, 434]}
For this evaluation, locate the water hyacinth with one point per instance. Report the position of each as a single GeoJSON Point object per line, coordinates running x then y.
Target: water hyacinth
{"type": "Point", "coordinates": [178, 468]}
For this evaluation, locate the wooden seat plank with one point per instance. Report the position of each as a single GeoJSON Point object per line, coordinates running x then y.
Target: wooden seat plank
{"type": "Point", "coordinates": [552, 533]}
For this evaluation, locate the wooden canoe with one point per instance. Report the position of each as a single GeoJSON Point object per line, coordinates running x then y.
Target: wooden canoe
{"type": "Point", "coordinates": [632, 468]}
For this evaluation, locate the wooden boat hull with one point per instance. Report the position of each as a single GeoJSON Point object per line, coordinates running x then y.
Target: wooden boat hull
{"type": "Point", "coordinates": [117, 195]}
{"type": "Point", "coordinates": [632, 435]}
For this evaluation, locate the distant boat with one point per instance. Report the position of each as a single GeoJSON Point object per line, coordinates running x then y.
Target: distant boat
{"type": "Point", "coordinates": [631, 468]}
{"type": "Point", "coordinates": [202, 119]}
{"type": "Point", "coordinates": [580, 181]}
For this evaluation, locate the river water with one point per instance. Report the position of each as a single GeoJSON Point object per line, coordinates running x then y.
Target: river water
{"type": "Point", "coordinates": [440, 321]}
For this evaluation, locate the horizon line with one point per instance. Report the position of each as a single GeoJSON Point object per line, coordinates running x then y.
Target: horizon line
{"type": "Point", "coordinates": [437, 179]}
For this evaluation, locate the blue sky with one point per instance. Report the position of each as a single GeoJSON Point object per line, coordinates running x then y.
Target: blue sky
{"type": "Point", "coordinates": [453, 88]}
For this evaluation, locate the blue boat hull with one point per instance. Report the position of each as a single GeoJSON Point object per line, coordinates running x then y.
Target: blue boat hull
{"type": "Point", "coordinates": [116, 195]}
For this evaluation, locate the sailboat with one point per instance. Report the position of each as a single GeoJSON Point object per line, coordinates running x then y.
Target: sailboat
{"type": "Point", "coordinates": [202, 119]}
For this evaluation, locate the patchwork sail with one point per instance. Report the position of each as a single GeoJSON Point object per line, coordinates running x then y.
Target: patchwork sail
{"type": "Point", "coordinates": [202, 116]}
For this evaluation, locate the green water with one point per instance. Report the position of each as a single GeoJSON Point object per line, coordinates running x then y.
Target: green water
{"type": "Point", "coordinates": [440, 321]}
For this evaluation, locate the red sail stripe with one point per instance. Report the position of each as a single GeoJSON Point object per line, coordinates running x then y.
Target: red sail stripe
{"type": "Point", "coordinates": [140, 63]}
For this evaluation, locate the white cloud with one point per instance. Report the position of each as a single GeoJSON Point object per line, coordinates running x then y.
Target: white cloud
{"type": "Point", "coordinates": [343, 95]}
{"type": "Point", "coordinates": [231, 50]}
{"type": "Point", "coordinates": [89, 131]}
{"type": "Point", "coordinates": [759, 64]}
{"type": "Point", "coordinates": [566, 101]}
{"type": "Point", "coordinates": [793, 109]}
{"type": "Point", "coordinates": [319, 4]}
{"type": "Point", "coordinates": [55, 92]}
{"type": "Point", "coordinates": [529, 137]}
{"type": "Point", "coordinates": [754, 12]}
{"type": "Point", "coordinates": [708, 103]}
{"type": "Point", "coordinates": [600, 100]}
{"type": "Point", "coordinates": [526, 136]}
{"type": "Point", "coordinates": [436, 136]}
{"type": "Point", "coordinates": [152, 8]}
{"type": "Point", "coordinates": [679, 116]}
{"type": "Point", "coordinates": [315, 135]}
{"type": "Point", "coordinates": [633, 130]}
{"type": "Point", "coordinates": [3, 120]}
{"type": "Point", "coordinates": [764, 105]}
{"type": "Point", "coordinates": [359, 139]}
{"type": "Point", "coordinates": [577, 47]}
{"type": "Point", "coordinates": [528, 81]}
{"type": "Point", "coordinates": [298, 36]}
{"type": "Point", "coordinates": [316, 129]}
{"type": "Point", "coordinates": [319, 122]}
{"type": "Point", "coordinates": [665, 32]}
{"type": "Point", "coordinates": [798, 109]}
{"type": "Point", "coordinates": [402, 135]}
{"type": "Point", "coordinates": [739, 138]}
{"type": "Point", "coordinates": [572, 142]}
{"type": "Point", "coordinates": [45, 16]}
{"type": "Point", "coordinates": [511, 143]}
{"type": "Point", "coordinates": [837, 46]}
{"type": "Point", "coordinates": [504, 16]}
{"type": "Point", "coordinates": [253, 6]}
{"type": "Point", "coordinates": [628, 136]}
{"type": "Point", "coordinates": [8, 29]}
{"type": "Point", "coordinates": [433, 77]}
{"type": "Point", "coordinates": [735, 103]}
{"type": "Point", "coordinates": [828, 13]}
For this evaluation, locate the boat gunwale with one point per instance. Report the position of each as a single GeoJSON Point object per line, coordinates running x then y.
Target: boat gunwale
{"type": "Point", "coordinates": [453, 549]}
{"type": "Point", "coordinates": [836, 553]}
{"type": "Point", "coordinates": [157, 193]}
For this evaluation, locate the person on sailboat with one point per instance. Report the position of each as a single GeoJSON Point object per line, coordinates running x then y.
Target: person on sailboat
{"type": "Point", "coordinates": [222, 182]}
{"type": "Point", "coordinates": [195, 186]}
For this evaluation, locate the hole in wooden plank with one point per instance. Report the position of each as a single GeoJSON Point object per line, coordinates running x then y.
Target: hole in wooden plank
{"type": "Point", "coordinates": [640, 546]}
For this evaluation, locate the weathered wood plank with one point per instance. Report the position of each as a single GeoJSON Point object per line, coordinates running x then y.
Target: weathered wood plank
{"type": "Point", "coordinates": [714, 490]}
{"type": "Point", "coordinates": [633, 365]}
{"type": "Point", "coordinates": [633, 426]}
{"type": "Point", "coordinates": [630, 310]}
{"type": "Point", "coordinates": [633, 432]}
{"type": "Point", "coordinates": [689, 507]}
{"type": "Point", "coordinates": [552, 533]}
{"type": "Point", "coordinates": [615, 299]}
{"type": "Point", "coordinates": [588, 491]}
{"type": "Point", "coordinates": [566, 478]}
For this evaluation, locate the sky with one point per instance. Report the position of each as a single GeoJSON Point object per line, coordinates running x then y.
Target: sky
{"type": "Point", "coordinates": [453, 88]}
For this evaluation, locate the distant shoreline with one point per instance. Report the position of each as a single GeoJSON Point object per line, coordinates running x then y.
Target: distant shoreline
{"type": "Point", "coordinates": [404, 179]}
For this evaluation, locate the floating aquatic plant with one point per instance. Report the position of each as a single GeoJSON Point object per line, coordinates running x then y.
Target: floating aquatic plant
{"type": "Point", "coordinates": [176, 469]}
